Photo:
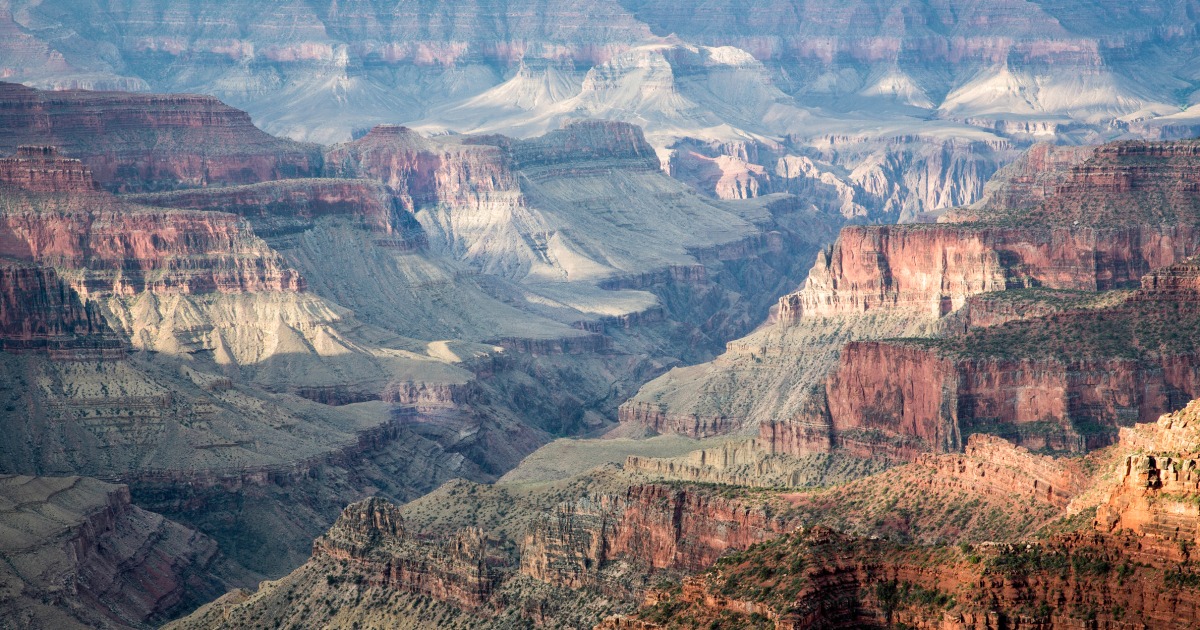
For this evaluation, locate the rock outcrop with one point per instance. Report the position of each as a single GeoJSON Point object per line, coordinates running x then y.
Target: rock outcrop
{"type": "Point", "coordinates": [41, 169]}
{"type": "Point", "coordinates": [821, 579]}
{"type": "Point", "coordinates": [77, 554]}
{"type": "Point", "coordinates": [933, 269]}
{"type": "Point", "coordinates": [39, 311]}
{"type": "Point", "coordinates": [1157, 488]}
{"type": "Point", "coordinates": [134, 142]}
{"type": "Point", "coordinates": [657, 527]}
{"type": "Point", "coordinates": [116, 248]}
{"type": "Point", "coordinates": [992, 465]}
{"type": "Point", "coordinates": [370, 534]}
{"type": "Point", "coordinates": [1064, 381]}
{"type": "Point", "coordinates": [422, 171]}
{"type": "Point", "coordinates": [286, 207]}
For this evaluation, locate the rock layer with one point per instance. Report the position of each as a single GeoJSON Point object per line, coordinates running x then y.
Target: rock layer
{"type": "Point", "coordinates": [78, 554]}
{"type": "Point", "coordinates": [134, 142]}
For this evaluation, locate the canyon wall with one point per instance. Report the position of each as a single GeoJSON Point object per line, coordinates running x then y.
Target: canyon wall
{"type": "Point", "coordinates": [135, 142]}
{"type": "Point", "coordinates": [41, 169]}
{"type": "Point", "coordinates": [121, 566]}
{"type": "Point", "coordinates": [370, 534]}
{"type": "Point", "coordinates": [285, 207]}
{"type": "Point", "coordinates": [657, 527]}
{"type": "Point", "coordinates": [933, 269]}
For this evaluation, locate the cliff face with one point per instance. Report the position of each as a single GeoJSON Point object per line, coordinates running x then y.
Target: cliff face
{"type": "Point", "coordinates": [38, 310]}
{"type": "Point", "coordinates": [933, 270]}
{"type": "Point", "coordinates": [121, 566]}
{"type": "Point", "coordinates": [1063, 381]}
{"type": "Point", "coordinates": [820, 579]}
{"type": "Point", "coordinates": [655, 527]}
{"type": "Point", "coordinates": [290, 206]}
{"type": "Point", "coordinates": [1156, 488]}
{"type": "Point", "coordinates": [134, 142]}
{"type": "Point", "coordinates": [370, 535]}
{"type": "Point", "coordinates": [112, 247]}
{"type": "Point", "coordinates": [1028, 181]}
{"type": "Point", "coordinates": [422, 171]}
{"type": "Point", "coordinates": [41, 169]}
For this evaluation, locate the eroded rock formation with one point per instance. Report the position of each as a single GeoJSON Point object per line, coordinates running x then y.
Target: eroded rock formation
{"type": "Point", "coordinates": [134, 142]}
{"type": "Point", "coordinates": [79, 555]}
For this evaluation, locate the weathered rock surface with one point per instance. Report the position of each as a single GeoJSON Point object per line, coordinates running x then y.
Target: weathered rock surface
{"type": "Point", "coordinates": [77, 554]}
{"type": "Point", "coordinates": [371, 535]}
{"type": "Point", "coordinates": [41, 169]}
{"type": "Point", "coordinates": [654, 526]}
{"type": "Point", "coordinates": [286, 207]}
{"type": "Point", "coordinates": [1066, 222]}
{"type": "Point", "coordinates": [1135, 568]}
{"type": "Point", "coordinates": [135, 142]}
{"type": "Point", "coordinates": [39, 311]}
{"type": "Point", "coordinates": [935, 269]}
{"type": "Point", "coordinates": [1064, 381]}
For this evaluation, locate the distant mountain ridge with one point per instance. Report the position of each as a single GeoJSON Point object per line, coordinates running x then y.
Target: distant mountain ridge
{"type": "Point", "coordinates": [873, 92]}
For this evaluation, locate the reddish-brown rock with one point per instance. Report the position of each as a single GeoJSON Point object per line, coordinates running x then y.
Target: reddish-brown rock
{"type": "Point", "coordinates": [370, 535]}
{"type": "Point", "coordinates": [652, 526]}
{"type": "Point", "coordinates": [818, 579]}
{"type": "Point", "coordinates": [933, 269]}
{"type": "Point", "coordinates": [151, 141]}
{"type": "Point", "coordinates": [287, 206]}
{"type": "Point", "coordinates": [424, 171]}
{"type": "Point", "coordinates": [77, 553]}
{"type": "Point", "coordinates": [992, 465]}
{"type": "Point", "coordinates": [38, 310]}
{"type": "Point", "coordinates": [113, 247]}
{"type": "Point", "coordinates": [655, 418]}
{"type": "Point", "coordinates": [903, 398]}
{"type": "Point", "coordinates": [41, 169]}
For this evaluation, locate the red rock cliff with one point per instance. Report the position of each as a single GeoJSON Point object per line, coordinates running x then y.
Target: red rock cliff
{"type": "Point", "coordinates": [39, 311]}
{"type": "Point", "coordinates": [654, 526]}
{"type": "Point", "coordinates": [424, 171]}
{"type": "Point", "coordinates": [151, 141]}
{"type": "Point", "coordinates": [115, 247]}
{"type": "Point", "coordinates": [933, 269]}
{"type": "Point", "coordinates": [41, 169]}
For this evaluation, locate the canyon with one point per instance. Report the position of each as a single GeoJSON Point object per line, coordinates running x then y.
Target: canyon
{"type": "Point", "coordinates": [623, 314]}
{"type": "Point", "coordinates": [879, 112]}
{"type": "Point", "coordinates": [248, 351]}
{"type": "Point", "coordinates": [1015, 316]}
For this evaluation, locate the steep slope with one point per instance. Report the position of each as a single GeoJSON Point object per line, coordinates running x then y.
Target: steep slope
{"type": "Point", "coordinates": [1112, 214]}
{"type": "Point", "coordinates": [149, 142]}
{"type": "Point", "coordinates": [77, 554]}
{"type": "Point", "coordinates": [1131, 565]}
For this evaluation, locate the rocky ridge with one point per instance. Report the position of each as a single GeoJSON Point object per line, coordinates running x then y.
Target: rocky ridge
{"type": "Point", "coordinates": [134, 142]}
{"type": "Point", "coordinates": [79, 555]}
{"type": "Point", "coordinates": [1132, 567]}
